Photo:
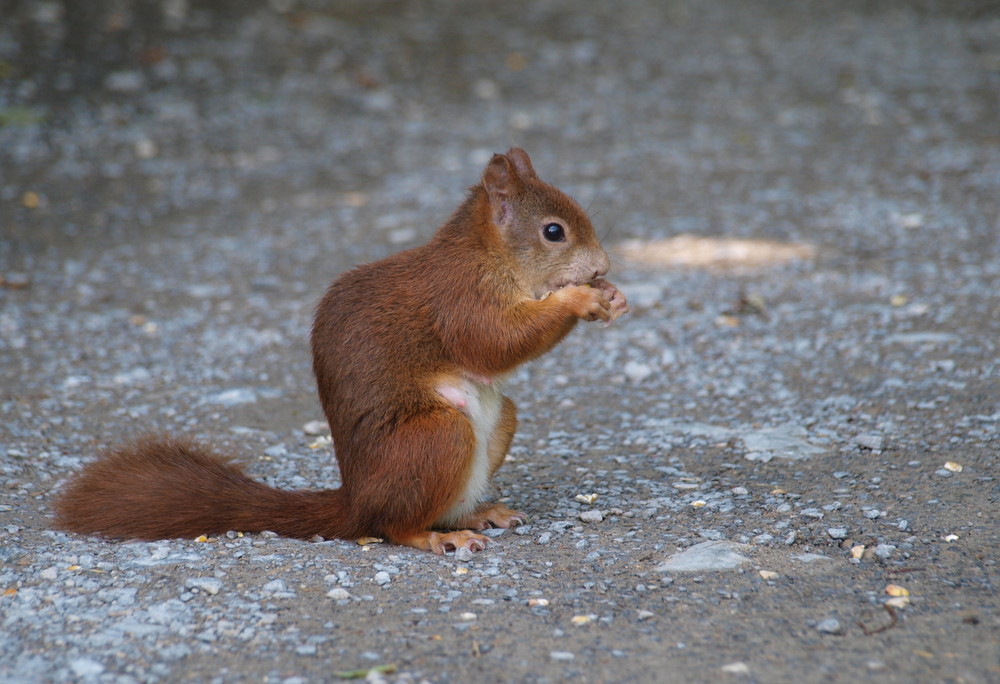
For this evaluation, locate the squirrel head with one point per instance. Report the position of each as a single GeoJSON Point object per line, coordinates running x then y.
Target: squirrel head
{"type": "Point", "coordinates": [546, 233]}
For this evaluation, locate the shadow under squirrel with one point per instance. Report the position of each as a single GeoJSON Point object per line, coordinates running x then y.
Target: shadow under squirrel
{"type": "Point", "coordinates": [409, 355]}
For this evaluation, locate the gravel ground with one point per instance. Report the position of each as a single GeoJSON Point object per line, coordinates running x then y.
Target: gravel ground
{"type": "Point", "coordinates": [724, 486]}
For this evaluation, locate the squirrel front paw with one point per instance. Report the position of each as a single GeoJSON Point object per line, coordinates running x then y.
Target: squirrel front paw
{"type": "Point", "coordinates": [618, 305]}
{"type": "Point", "coordinates": [597, 300]}
{"type": "Point", "coordinates": [586, 303]}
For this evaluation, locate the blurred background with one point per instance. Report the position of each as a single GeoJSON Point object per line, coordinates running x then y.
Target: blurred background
{"type": "Point", "coordinates": [119, 117]}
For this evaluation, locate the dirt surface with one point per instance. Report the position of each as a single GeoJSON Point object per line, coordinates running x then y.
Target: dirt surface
{"type": "Point", "coordinates": [811, 374]}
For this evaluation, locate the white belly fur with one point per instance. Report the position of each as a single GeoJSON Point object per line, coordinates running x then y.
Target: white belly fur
{"type": "Point", "coordinates": [482, 403]}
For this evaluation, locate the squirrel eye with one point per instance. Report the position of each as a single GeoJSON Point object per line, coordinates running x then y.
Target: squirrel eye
{"type": "Point", "coordinates": [553, 232]}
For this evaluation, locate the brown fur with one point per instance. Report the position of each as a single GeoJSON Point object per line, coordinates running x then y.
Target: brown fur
{"type": "Point", "coordinates": [486, 294]}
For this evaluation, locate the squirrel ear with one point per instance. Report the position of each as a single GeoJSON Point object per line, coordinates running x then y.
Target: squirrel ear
{"type": "Point", "coordinates": [499, 177]}
{"type": "Point", "coordinates": [521, 162]}
{"type": "Point", "coordinates": [499, 180]}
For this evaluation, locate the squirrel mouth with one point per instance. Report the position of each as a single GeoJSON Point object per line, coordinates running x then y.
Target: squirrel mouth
{"type": "Point", "coordinates": [560, 284]}
{"type": "Point", "coordinates": [568, 283]}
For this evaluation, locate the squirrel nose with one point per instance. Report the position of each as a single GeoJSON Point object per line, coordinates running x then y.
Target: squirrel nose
{"type": "Point", "coordinates": [603, 265]}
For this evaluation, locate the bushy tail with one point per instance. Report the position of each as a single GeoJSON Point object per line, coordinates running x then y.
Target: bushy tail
{"type": "Point", "coordinates": [161, 488]}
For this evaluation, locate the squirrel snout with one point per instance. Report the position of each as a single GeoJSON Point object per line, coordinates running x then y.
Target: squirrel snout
{"type": "Point", "coordinates": [602, 266]}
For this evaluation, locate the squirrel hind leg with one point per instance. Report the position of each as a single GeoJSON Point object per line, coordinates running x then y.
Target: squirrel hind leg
{"type": "Point", "coordinates": [413, 476]}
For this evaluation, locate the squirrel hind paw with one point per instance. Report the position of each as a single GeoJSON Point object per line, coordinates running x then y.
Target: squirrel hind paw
{"type": "Point", "coordinates": [440, 542]}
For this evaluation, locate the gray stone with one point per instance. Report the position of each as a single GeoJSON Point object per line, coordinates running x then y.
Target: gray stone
{"type": "Point", "coordinates": [636, 371]}
{"type": "Point", "coordinates": [869, 441]}
{"type": "Point", "coordinates": [209, 585]}
{"type": "Point", "coordinates": [884, 551]}
{"type": "Point", "coordinates": [810, 557]}
{"type": "Point", "coordinates": [709, 555]}
{"type": "Point", "coordinates": [232, 397]}
{"type": "Point", "coordinates": [830, 626]}
{"type": "Point", "coordinates": [125, 81]}
{"type": "Point", "coordinates": [784, 441]}
{"type": "Point", "coordinates": [86, 667]}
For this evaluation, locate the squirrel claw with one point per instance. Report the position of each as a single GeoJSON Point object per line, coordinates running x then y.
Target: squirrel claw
{"type": "Point", "coordinates": [496, 515]}
{"type": "Point", "coordinates": [453, 541]}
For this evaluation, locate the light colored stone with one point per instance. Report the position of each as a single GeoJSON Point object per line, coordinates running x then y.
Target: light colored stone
{"type": "Point", "coordinates": [830, 626]}
{"type": "Point", "coordinates": [710, 555]}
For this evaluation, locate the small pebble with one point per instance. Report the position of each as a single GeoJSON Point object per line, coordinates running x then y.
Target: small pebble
{"type": "Point", "coordinates": [592, 516]}
{"type": "Point", "coordinates": [86, 668]}
{"type": "Point", "coordinates": [124, 81]}
{"type": "Point", "coordinates": [830, 626]}
{"type": "Point", "coordinates": [316, 427]}
{"type": "Point", "coordinates": [274, 587]}
{"type": "Point", "coordinates": [209, 585]}
{"type": "Point", "coordinates": [562, 656]}
{"type": "Point", "coordinates": [382, 577]}
{"type": "Point", "coordinates": [837, 532]}
{"type": "Point", "coordinates": [463, 554]}
{"type": "Point", "coordinates": [636, 371]}
{"type": "Point", "coordinates": [871, 442]}
{"type": "Point", "coordinates": [884, 551]}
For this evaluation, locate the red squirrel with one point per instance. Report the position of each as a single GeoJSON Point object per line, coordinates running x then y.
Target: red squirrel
{"type": "Point", "coordinates": [409, 355]}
